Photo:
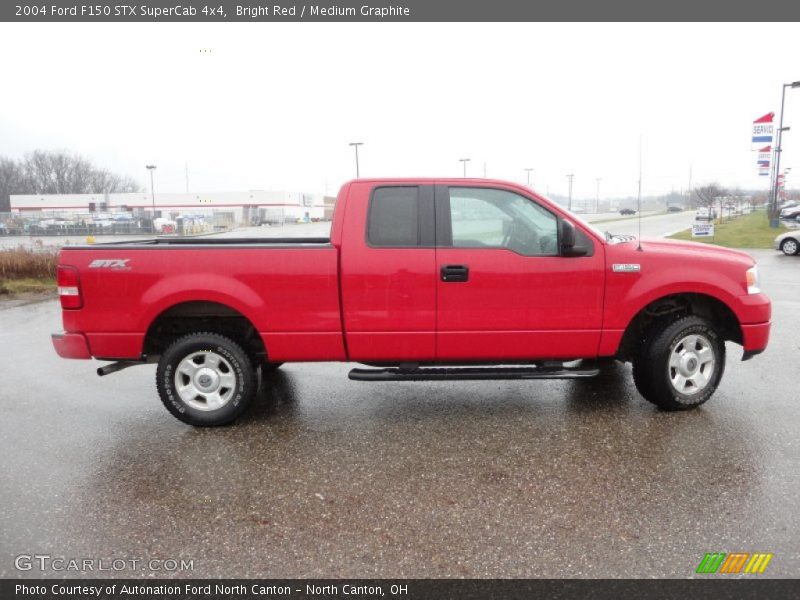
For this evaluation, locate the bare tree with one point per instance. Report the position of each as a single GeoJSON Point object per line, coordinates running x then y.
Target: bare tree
{"type": "Point", "coordinates": [106, 182]}
{"type": "Point", "coordinates": [10, 182]}
{"type": "Point", "coordinates": [59, 172]}
{"type": "Point", "coordinates": [708, 194]}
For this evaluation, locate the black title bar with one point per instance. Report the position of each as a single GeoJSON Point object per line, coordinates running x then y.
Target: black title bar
{"type": "Point", "coordinates": [399, 11]}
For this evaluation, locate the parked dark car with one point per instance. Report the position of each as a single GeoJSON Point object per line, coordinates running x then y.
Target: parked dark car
{"type": "Point", "coordinates": [674, 209]}
{"type": "Point", "coordinates": [792, 212]}
{"type": "Point", "coordinates": [627, 211]}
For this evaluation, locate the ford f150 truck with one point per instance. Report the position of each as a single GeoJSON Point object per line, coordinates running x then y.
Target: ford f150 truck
{"type": "Point", "coordinates": [421, 279]}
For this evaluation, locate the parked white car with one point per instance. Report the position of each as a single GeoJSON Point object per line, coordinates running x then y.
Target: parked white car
{"type": "Point", "coordinates": [705, 214]}
{"type": "Point", "coordinates": [164, 225]}
{"type": "Point", "coordinates": [788, 243]}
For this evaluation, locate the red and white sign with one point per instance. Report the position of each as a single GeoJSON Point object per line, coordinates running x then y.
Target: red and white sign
{"type": "Point", "coordinates": [764, 159]}
{"type": "Point", "coordinates": [763, 130]}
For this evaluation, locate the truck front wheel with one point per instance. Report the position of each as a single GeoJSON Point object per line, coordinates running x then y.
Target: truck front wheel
{"type": "Point", "coordinates": [205, 379]}
{"type": "Point", "coordinates": [679, 365]}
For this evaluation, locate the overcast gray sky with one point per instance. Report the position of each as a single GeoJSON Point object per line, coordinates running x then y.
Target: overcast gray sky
{"type": "Point", "coordinates": [273, 106]}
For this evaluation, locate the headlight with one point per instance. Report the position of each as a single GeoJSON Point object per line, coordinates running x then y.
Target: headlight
{"type": "Point", "coordinates": [752, 280]}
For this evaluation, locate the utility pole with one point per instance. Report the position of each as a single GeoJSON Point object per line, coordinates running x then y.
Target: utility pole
{"type": "Point", "coordinates": [597, 195]}
{"type": "Point", "coordinates": [569, 177]}
{"type": "Point", "coordinates": [773, 211]}
{"type": "Point", "coordinates": [355, 145]}
{"type": "Point", "coordinates": [464, 161]}
{"type": "Point", "coordinates": [152, 168]}
{"type": "Point", "coordinates": [528, 171]}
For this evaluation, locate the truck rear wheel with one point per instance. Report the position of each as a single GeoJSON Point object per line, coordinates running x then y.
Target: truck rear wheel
{"type": "Point", "coordinates": [679, 366]}
{"type": "Point", "coordinates": [205, 379]}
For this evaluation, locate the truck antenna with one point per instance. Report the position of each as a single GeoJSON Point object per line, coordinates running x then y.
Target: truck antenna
{"type": "Point", "coordinates": [639, 200]}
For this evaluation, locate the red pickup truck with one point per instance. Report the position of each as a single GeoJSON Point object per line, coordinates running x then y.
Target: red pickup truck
{"type": "Point", "coordinates": [421, 279]}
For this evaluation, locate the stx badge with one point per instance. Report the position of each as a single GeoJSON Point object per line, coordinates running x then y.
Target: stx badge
{"type": "Point", "coordinates": [110, 263]}
{"type": "Point", "coordinates": [627, 268]}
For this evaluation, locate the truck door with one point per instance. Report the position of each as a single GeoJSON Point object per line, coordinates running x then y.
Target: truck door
{"type": "Point", "coordinates": [503, 290]}
{"type": "Point", "coordinates": [388, 273]}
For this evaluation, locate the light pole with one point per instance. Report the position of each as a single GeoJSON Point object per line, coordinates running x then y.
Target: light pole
{"type": "Point", "coordinates": [464, 161]}
{"type": "Point", "coordinates": [152, 168]}
{"type": "Point", "coordinates": [773, 217]}
{"type": "Point", "coordinates": [776, 165]}
{"type": "Point", "coordinates": [782, 184]}
{"type": "Point", "coordinates": [597, 195]}
{"type": "Point", "coordinates": [569, 206]}
{"type": "Point", "coordinates": [355, 146]}
{"type": "Point", "coordinates": [528, 171]}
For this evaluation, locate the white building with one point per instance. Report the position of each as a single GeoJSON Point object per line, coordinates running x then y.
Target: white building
{"type": "Point", "coordinates": [243, 207]}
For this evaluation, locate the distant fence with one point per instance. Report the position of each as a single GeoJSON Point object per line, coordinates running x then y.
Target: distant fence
{"type": "Point", "coordinates": [52, 229]}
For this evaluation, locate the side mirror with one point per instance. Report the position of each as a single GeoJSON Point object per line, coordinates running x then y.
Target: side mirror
{"type": "Point", "coordinates": [568, 247]}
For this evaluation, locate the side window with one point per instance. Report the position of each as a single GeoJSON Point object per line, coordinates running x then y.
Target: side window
{"type": "Point", "coordinates": [394, 217]}
{"type": "Point", "coordinates": [489, 218]}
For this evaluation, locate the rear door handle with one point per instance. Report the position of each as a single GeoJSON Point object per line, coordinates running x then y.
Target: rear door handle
{"type": "Point", "coordinates": [454, 273]}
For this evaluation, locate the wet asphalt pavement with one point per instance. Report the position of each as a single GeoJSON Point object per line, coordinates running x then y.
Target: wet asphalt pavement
{"type": "Point", "coordinates": [326, 477]}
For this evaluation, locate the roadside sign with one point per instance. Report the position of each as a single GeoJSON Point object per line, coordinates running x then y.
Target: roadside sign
{"type": "Point", "coordinates": [763, 129]}
{"type": "Point", "coordinates": [703, 230]}
{"type": "Point", "coordinates": [764, 158]}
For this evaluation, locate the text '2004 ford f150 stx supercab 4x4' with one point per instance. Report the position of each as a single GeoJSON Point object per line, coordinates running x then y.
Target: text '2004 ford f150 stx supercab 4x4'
{"type": "Point", "coordinates": [421, 279]}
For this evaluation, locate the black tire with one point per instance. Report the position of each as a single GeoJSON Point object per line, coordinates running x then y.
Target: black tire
{"type": "Point", "coordinates": [790, 246]}
{"type": "Point", "coordinates": [231, 365]}
{"type": "Point", "coordinates": [654, 376]}
{"type": "Point", "coordinates": [267, 367]}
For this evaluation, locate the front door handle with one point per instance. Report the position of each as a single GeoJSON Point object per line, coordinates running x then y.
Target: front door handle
{"type": "Point", "coordinates": [454, 273]}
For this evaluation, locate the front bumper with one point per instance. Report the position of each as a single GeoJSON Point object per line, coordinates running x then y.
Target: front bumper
{"type": "Point", "coordinates": [755, 338]}
{"type": "Point", "coordinates": [755, 313]}
{"type": "Point", "coordinates": [71, 345]}
{"type": "Point", "coordinates": [753, 309]}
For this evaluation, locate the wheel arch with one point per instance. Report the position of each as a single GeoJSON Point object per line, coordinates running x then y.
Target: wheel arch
{"type": "Point", "coordinates": [674, 306]}
{"type": "Point", "coordinates": [202, 315]}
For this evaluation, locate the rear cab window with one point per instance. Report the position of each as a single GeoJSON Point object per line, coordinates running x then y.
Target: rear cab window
{"type": "Point", "coordinates": [401, 216]}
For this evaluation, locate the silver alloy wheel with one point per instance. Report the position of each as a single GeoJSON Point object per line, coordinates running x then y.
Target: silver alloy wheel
{"type": "Point", "coordinates": [205, 380]}
{"type": "Point", "coordinates": [789, 247]}
{"type": "Point", "coordinates": [691, 364]}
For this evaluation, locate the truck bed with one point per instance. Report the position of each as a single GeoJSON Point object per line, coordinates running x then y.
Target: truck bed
{"type": "Point", "coordinates": [203, 241]}
{"type": "Point", "coordinates": [288, 288]}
